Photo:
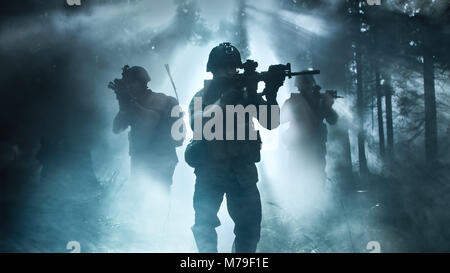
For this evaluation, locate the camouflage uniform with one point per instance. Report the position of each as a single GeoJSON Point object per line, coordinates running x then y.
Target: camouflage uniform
{"type": "Point", "coordinates": [152, 148]}
{"type": "Point", "coordinates": [226, 167]}
{"type": "Point", "coordinates": [307, 135]}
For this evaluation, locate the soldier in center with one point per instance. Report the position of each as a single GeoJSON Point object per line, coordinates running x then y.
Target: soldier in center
{"type": "Point", "coordinates": [227, 167]}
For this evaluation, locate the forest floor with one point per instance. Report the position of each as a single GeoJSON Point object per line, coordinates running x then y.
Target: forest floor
{"type": "Point", "coordinates": [388, 217]}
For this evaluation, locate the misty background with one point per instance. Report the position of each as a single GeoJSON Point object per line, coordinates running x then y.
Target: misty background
{"type": "Point", "coordinates": [64, 174]}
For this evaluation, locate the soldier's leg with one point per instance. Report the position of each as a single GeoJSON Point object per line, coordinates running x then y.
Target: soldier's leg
{"type": "Point", "coordinates": [321, 162]}
{"type": "Point", "coordinates": [163, 175]}
{"type": "Point", "coordinates": [208, 197]}
{"type": "Point", "coordinates": [137, 168]}
{"type": "Point", "coordinates": [244, 207]}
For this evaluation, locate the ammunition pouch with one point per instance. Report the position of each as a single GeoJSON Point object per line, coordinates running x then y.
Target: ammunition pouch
{"type": "Point", "coordinates": [195, 152]}
{"type": "Point", "coordinates": [200, 151]}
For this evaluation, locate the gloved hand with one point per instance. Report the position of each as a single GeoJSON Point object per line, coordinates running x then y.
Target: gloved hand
{"type": "Point", "coordinates": [275, 81]}
{"type": "Point", "coordinates": [121, 94]}
{"type": "Point", "coordinates": [328, 100]}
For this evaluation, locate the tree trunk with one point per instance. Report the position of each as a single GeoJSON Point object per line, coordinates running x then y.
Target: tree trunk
{"type": "Point", "coordinates": [380, 113]}
{"type": "Point", "coordinates": [389, 123]}
{"type": "Point", "coordinates": [430, 110]}
{"type": "Point", "coordinates": [360, 110]}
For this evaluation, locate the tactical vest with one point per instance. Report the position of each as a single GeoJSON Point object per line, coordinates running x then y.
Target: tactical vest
{"type": "Point", "coordinates": [307, 118]}
{"type": "Point", "coordinates": [221, 151]}
{"type": "Point", "coordinates": [157, 142]}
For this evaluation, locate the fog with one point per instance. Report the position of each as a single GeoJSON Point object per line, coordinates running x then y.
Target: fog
{"type": "Point", "coordinates": [58, 63]}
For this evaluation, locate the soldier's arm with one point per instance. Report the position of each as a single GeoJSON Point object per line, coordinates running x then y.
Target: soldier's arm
{"type": "Point", "coordinates": [331, 116]}
{"type": "Point", "coordinates": [144, 116]}
{"type": "Point", "coordinates": [271, 119]}
{"type": "Point", "coordinates": [121, 122]}
{"type": "Point", "coordinates": [172, 120]}
{"type": "Point", "coordinates": [286, 111]}
{"type": "Point", "coordinates": [193, 113]}
{"type": "Point", "coordinates": [196, 113]}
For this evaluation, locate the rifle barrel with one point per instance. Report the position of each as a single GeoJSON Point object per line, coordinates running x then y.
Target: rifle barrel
{"type": "Point", "coordinates": [305, 72]}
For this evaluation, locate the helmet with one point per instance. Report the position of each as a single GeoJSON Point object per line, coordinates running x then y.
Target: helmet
{"type": "Point", "coordinates": [223, 55]}
{"type": "Point", "coordinates": [135, 73]}
{"type": "Point", "coordinates": [306, 82]}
